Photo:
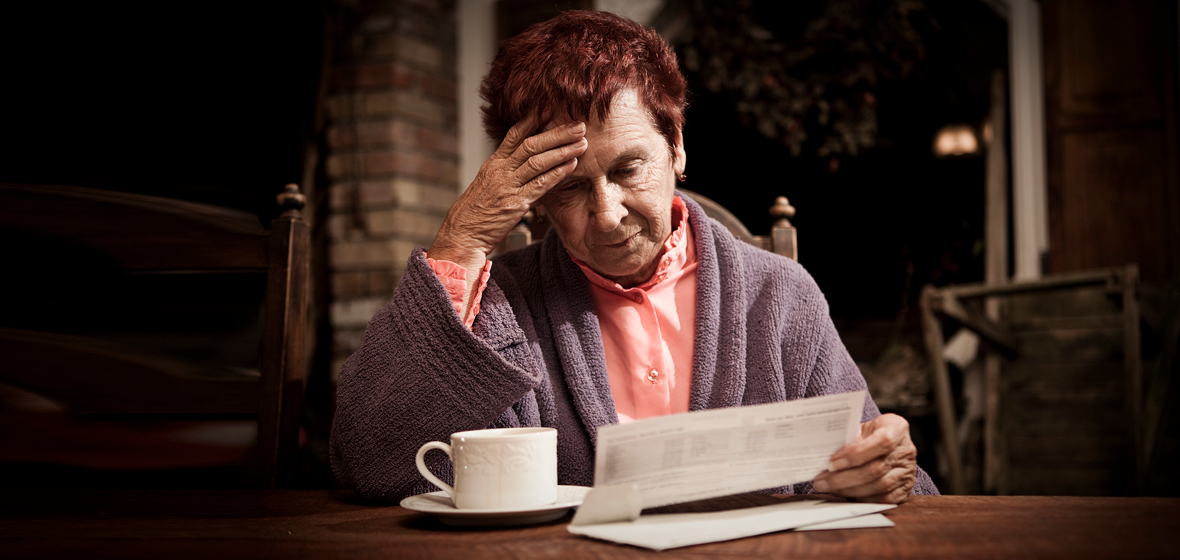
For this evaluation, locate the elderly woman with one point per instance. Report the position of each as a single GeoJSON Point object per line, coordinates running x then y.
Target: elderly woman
{"type": "Point", "coordinates": [634, 305]}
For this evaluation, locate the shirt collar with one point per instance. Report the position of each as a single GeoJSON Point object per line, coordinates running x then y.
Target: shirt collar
{"type": "Point", "coordinates": [678, 253]}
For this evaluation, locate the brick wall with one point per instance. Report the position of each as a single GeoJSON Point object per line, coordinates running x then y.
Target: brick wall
{"type": "Point", "coordinates": [392, 160]}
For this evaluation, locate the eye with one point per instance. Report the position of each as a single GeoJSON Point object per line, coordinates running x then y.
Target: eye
{"type": "Point", "coordinates": [569, 187]}
{"type": "Point", "coordinates": [627, 171]}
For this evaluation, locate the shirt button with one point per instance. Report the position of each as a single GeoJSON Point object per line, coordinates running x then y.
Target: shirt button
{"type": "Point", "coordinates": [638, 298]}
{"type": "Point", "coordinates": [653, 375]}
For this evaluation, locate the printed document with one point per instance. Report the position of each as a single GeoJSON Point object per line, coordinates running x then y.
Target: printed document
{"type": "Point", "coordinates": [706, 454]}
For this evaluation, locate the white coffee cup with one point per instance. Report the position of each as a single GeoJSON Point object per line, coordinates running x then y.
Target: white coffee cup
{"type": "Point", "coordinates": [499, 468]}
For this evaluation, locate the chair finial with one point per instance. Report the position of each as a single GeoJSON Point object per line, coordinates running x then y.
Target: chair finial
{"type": "Point", "coordinates": [782, 209]}
{"type": "Point", "coordinates": [290, 198]}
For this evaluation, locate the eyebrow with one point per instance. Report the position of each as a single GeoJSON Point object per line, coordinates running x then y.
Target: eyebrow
{"type": "Point", "coordinates": [633, 153]}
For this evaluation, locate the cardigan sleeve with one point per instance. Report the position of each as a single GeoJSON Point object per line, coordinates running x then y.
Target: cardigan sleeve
{"type": "Point", "coordinates": [836, 372]}
{"type": "Point", "coordinates": [421, 375]}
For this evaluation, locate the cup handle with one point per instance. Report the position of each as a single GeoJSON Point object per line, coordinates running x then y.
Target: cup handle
{"type": "Point", "coordinates": [426, 472]}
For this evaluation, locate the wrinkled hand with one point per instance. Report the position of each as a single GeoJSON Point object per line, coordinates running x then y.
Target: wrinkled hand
{"type": "Point", "coordinates": [520, 171]}
{"type": "Point", "coordinates": [880, 466]}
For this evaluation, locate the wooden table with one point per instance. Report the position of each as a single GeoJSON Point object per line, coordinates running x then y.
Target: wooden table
{"type": "Point", "coordinates": [252, 524]}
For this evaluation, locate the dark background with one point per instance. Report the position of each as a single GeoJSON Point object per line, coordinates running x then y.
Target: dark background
{"type": "Point", "coordinates": [205, 101]}
{"type": "Point", "coordinates": [875, 227]}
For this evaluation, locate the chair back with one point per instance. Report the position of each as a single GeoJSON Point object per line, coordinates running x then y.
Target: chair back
{"type": "Point", "coordinates": [120, 376]}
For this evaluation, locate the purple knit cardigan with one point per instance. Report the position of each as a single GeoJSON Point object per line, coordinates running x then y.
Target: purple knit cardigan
{"type": "Point", "coordinates": [534, 357]}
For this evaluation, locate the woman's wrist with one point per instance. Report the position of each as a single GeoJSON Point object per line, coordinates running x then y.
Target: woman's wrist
{"type": "Point", "coordinates": [467, 258]}
{"type": "Point", "coordinates": [450, 247]}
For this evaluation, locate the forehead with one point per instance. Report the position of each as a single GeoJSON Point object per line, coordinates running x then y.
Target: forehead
{"type": "Point", "coordinates": [628, 118]}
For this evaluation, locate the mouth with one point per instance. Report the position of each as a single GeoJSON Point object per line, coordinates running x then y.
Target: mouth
{"type": "Point", "coordinates": [622, 243]}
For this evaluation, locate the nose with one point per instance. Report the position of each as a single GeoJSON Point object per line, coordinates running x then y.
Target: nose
{"type": "Point", "coordinates": [606, 206]}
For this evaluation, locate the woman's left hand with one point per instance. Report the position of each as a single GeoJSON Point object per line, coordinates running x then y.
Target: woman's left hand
{"type": "Point", "coordinates": [880, 466]}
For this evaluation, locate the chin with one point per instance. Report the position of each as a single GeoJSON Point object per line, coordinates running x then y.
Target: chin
{"type": "Point", "coordinates": [615, 266]}
{"type": "Point", "coordinates": [623, 269]}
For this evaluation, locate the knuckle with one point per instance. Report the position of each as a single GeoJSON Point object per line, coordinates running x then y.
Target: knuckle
{"type": "Point", "coordinates": [904, 456]}
{"type": "Point", "coordinates": [902, 478]}
{"type": "Point", "coordinates": [520, 207]}
{"type": "Point", "coordinates": [898, 496]}
{"type": "Point", "coordinates": [894, 427]}
{"type": "Point", "coordinates": [512, 138]}
{"type": "Point", "coordinates": [534, 166]}
{"type": "Point", "coordinates": [541, 182]}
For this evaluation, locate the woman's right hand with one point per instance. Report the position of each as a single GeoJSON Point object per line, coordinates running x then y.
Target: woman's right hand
{"type": "Point", "coordinates": [508, 184]}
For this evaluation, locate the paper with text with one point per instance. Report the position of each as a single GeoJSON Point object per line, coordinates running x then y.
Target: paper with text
{"type": "Point", "coordinates": [705, 454]}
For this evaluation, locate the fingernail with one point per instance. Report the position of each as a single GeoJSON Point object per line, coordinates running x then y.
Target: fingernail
{"type": "Point", "coordinates": [820, 486]}
{"type": "Point", "coordinates": [838, 465]}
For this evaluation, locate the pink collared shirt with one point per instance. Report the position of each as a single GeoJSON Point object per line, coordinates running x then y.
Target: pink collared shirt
{"type": "Point", "coordinates": [647, 331]}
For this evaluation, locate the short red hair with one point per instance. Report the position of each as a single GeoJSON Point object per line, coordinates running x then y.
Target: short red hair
{"type": "Point", "coordinates": [574, 64]}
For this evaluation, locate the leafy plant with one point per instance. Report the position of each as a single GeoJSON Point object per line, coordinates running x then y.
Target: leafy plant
{"type": "Point", "coordinates": [803, 73]}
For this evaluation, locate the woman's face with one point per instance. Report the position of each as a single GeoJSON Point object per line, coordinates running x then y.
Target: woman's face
{"type": "Point", "coordinates": [614, 211]}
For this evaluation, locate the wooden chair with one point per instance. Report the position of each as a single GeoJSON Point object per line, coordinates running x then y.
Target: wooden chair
{"type": "Point", "coordinates": [782, 238]}
{"type": "Point", "coordinates": [142, 235]}
{"type": "Point", "coordinates": [1062, 382]}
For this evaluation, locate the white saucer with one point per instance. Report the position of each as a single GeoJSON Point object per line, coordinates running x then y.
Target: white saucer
{"type": "Point", "coordinates": [439, 505]}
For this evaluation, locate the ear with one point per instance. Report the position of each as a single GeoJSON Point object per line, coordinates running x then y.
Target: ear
{"type": "Point", "coordinates": [681, 160]}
